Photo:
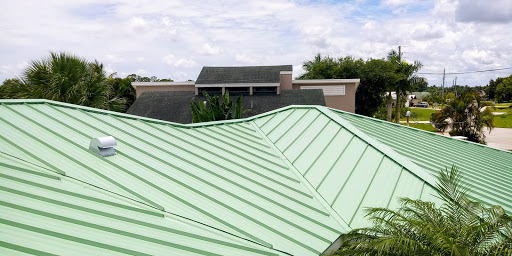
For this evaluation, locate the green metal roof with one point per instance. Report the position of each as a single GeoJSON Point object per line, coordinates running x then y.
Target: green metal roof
{"type": "Point", "coordinates": [488, 170]}
{"type": "Point", "coordinates": [288, 181]}
{"type": "Point", "coordinates": [44, 213]}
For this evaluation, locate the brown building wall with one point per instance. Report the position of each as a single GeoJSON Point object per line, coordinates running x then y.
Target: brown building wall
{"type": "Point", "coordinates": [285, 81]}
{"type": "Point", "coordinates": [140, 89]}
{"type": "Point", "coordinates": [345, 102]}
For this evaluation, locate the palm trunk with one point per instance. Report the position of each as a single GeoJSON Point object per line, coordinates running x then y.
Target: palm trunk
{"type": "Point", "coordinates": [397, 108]}
{"type": "Point", "coordinates": [389, 102]}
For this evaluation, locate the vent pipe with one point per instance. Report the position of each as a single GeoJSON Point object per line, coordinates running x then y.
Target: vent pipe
{"type": "Point", "coordinates": [103, 146]}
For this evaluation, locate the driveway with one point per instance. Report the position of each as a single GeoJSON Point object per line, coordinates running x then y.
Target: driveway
{"type": "Point", "coordinates": [499, 138]}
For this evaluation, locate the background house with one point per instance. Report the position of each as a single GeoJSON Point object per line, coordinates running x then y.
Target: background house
{"type": "Point", "coordinates": [174, 106]}
{"type": "Point", "coordinates": [250, 81]}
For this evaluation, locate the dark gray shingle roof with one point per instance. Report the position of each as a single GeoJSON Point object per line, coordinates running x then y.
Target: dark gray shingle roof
{"type": "Point", "coordinates": [175, 106]}
{"type": "Point", "coordinates": [248, 74]}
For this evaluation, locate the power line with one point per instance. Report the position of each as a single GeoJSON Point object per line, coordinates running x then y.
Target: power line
{"type": "Point", "coordinates": [464, 72]}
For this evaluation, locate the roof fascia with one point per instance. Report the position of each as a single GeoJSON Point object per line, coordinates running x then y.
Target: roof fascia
{"type": "Point", "coordinates": [143, 84]}
{"type": "Point", "coordinates": [206, 85]}
{"type": "Point", "coordinates": [326, 81]}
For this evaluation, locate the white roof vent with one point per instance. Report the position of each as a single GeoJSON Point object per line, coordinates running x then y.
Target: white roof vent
{"type": "Point", "coordinates": [103, 146]}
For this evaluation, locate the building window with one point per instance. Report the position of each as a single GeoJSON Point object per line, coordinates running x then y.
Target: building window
{"type": "Point", "coordinates": [336, 90]}
{"type": "Point", "coordinates": [211, 90]}
{"type": "Point", "coordinates": [238, 90]}
{"type": "Point", "coordinates": [264, 90]}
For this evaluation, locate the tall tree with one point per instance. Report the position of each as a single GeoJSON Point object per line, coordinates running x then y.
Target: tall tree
{"type": "Point", "coordinates": [375, 76]}
{"type": "Point", "coordinates": [504, 90]}
{"type": "Point", "coordinates": [491, 88]}
{"type": "Point", "coordinates": [67, 78]}
{"type": "Point", "coordinates": [406, 78]}
{"type": "Point", "coordinates": [463, 116]}
{"type": "Point", "coordinates": [457, 227]}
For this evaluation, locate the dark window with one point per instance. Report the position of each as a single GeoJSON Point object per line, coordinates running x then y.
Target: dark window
{"type": "Point", "coordinates": [238, 90]}
{"type": "Point", "coordinates": [211, 90]}
{"type": "Point", "coordinates": [264, 90]}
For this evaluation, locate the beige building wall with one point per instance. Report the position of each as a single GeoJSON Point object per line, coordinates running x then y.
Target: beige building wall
{"type": "Point", "coordinates": [345, 102]}
{"type": "Point", "coordinates": [141, 87]}
{"type": "Point", "coordinates": [285, 80]}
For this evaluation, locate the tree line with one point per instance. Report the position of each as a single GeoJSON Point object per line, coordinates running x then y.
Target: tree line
{"type": "Point", "coordinates": [378, 77]}
{"type": "Point", "coordinates": [72, 79]}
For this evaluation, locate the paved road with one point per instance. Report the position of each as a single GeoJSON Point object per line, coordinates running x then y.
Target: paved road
{"type": "Point", "coordinates": [499, 138]}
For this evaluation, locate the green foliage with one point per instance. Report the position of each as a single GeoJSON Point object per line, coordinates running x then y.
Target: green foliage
{"type": "Point", "coordinates": [435, 96]}
{"type": "Point", "coordinates": [66, 78]}
{"type": "Point", "coordinates": [457, 227]}
{"type": "Point", "coordinates": [122, 88]}
{"type": "Point", "coordinates": [464, 118]}
{"type": "Point", "coordinates": [376, 76]}
{"type": "Point", "coordinates": [216, 108]}
{"type": "Point", "coordinates": [504, 90]}
{"type": "Point", "coordinates": [137, 78]}
{"type": "Point", "coordinates": [491, 88]}
{"type": "Point", "coordinates": [405, 78]}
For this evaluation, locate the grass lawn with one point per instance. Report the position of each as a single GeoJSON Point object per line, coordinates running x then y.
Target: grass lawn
{"type": "Point", "coordinates": [420, 114]}
{"type": "Point", "coordinates": [503, 104]}
{"type": "Point", "coordinates": [426, 127]}
{"type": "Point", "coordinates": [503, 121]}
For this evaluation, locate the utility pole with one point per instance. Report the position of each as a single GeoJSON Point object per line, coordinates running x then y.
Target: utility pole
{"type": "Point", "coordinates": [397, 104]}
{"type": "Point", "coordinates": [455, 86]}
{"type": "Point", "coordinates": [442, 87]}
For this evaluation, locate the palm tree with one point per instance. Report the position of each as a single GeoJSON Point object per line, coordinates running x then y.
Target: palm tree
{"type": "Point", "coordinates": [458, 227]}
{"type": "Point", "coordinates": [406, 78]}
{"type": "Point", "coordinates": [68, 78]}
{"type": "Point", "coordinates": [464, 117]}
{"type": "Point", "coordinates": [216, 108]}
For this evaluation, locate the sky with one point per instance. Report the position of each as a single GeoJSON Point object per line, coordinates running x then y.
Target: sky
{"type": "Point", "coordinates": [175, 39]}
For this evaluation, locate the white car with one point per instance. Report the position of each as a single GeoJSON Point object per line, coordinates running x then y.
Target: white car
{"type": "Point", "coordinates": [422, 105]}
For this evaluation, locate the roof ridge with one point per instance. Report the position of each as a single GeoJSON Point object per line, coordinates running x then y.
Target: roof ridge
{"type": "Point", "coordinates": [405, 162]}
{"type": "Point", "coordinates": [147, 119]}
{"type": "Point", "coordinates": [426, 132]}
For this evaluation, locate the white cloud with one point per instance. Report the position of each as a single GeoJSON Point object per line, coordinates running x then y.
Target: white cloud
{"type": "Point", "coordinates": [141, 72]}
{"type": "Point", "coordinates": [207, 49]}
{"type": "Point", "coordinates": [246, 59]}
{"type": "Point", "coordinates": [173, 61]}
{"type": "Point", "coordinates": [499, 11]}
{"type": "Point", "coordinates": [138, 24]}
{"type": "Point", "coordinates": [133, 35]}
{"type": "Point", "coordinates": [397, 2]}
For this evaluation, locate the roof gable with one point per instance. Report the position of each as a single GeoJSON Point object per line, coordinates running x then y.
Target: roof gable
{"type": "Point", "coordinates": [244, 74]}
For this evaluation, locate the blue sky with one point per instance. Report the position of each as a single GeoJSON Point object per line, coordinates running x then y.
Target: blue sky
{"type": "Point", "coordinates": [176, 38]}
